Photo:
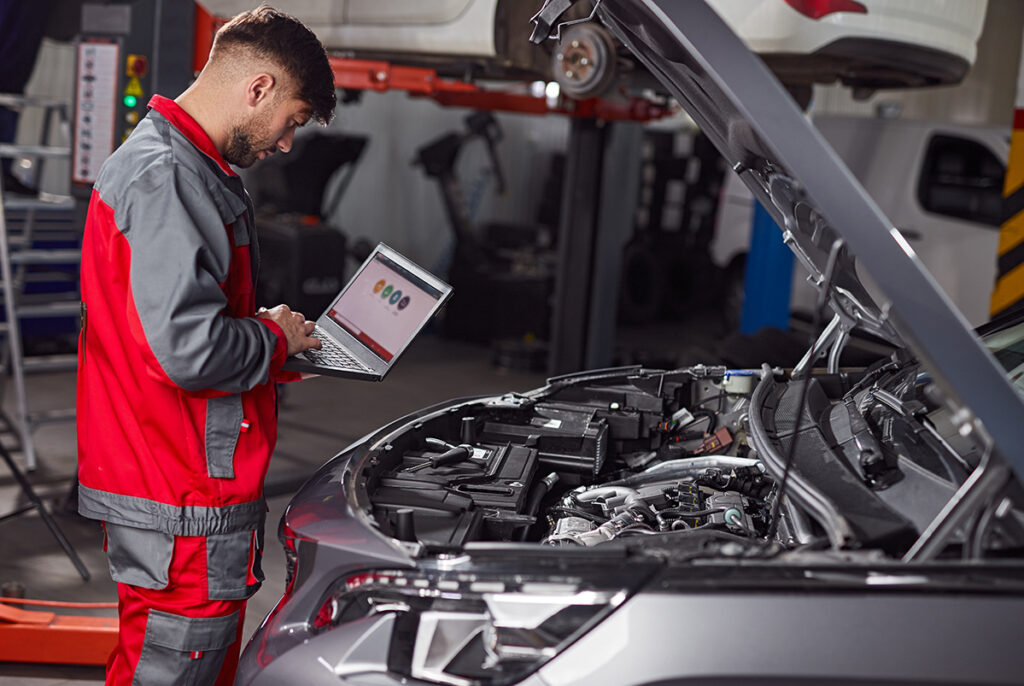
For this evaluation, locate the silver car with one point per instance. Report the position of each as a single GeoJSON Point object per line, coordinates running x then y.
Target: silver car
{"type": "Point", "coordinates": [700, 525]}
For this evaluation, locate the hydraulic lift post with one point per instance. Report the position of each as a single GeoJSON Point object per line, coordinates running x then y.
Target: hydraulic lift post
{"type": "Point", "coordinates": [577, 245]}
{"type": "Point", "coordinates": [598, 199]}
{"type": "Point", "coordinates": [597, 207]}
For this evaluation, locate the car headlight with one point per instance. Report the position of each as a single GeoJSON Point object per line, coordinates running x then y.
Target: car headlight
{"type": "Point", "coordinates": [473, 629]}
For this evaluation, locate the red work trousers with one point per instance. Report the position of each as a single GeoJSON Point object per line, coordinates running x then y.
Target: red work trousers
{"type": "Point", "coordinates": [177, 635]}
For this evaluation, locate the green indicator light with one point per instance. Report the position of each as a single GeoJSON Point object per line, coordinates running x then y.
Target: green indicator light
{"type": "Point", "coordinates": [130, 101]}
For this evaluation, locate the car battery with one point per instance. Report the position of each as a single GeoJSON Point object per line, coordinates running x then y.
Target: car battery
{"type": "Point", "coordinates": [453, 504]}
{"type": "Point", "coordinates": [301, 264]}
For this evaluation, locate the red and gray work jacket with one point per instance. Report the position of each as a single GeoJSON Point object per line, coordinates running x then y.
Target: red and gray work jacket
{"type": "Point", "coordinates": [176, 397]}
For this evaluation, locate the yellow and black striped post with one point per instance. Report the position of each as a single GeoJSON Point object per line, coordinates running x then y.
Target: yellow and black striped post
{"type": "Point", "coordinates": [1008, 294]}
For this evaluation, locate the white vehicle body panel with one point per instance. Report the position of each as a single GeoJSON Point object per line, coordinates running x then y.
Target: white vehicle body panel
{"type": "Point", "coordinates": [466, 27]}
{"type": "Point", "coordinates": [438, 27]}
{"type": "Point", "coordinates": [772, 26]}
{"type": "Point", "coordinates": [887, 156]}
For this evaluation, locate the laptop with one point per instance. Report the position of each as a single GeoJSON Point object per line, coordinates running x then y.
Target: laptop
{"type": "Point", "coordinates": [374, 318]}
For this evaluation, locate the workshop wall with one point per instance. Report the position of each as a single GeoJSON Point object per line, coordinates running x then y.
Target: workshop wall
{"type": "Point", "coordinates": [392, 201]}
{"type": "Point", "coordinates": [388, 199]}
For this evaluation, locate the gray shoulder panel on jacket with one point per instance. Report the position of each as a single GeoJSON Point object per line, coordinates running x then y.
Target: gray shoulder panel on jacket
{"type": "Point", "coordinates": [174, 212]}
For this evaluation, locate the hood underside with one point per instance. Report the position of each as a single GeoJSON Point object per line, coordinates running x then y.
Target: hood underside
{"type": "Point", "coordinates": [833, 227]}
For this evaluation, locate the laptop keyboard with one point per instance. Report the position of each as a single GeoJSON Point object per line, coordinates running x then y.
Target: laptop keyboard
{"type": "Point", "coordinates": [333, 355]}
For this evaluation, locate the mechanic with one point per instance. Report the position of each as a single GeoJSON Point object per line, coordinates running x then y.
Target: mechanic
{"type": "Point", "coordinates": [177, 368]}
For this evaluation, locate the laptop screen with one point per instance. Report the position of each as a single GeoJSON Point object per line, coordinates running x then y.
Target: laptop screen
{"type": "Point", "coordinates": [384, 306]}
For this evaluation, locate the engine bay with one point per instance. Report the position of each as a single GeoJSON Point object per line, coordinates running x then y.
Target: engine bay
{"type": "Point", "coordinates": [867, 458]}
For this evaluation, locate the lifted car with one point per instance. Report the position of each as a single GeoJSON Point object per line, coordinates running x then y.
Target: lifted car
{"type": "Point", "coordinates": [866, 44]}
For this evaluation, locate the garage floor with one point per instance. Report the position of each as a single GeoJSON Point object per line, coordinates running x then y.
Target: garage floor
{"type": "Point", "coordinates": [318, 418]}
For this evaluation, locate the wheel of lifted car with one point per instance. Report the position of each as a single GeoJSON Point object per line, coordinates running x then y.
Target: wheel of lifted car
{"type": "Point", "coordinates": [584, 63]}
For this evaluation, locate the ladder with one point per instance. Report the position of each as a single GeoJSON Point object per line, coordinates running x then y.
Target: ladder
{"type": "Point", "coordinates": [19, 250]}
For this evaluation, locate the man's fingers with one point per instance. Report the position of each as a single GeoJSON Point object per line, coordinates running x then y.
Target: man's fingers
{"type": "Point", "coordinates": [308, 328]}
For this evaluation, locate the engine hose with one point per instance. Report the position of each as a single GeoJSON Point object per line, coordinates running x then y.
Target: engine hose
{"type": "Point", "coordinates": [697, 514]}
{"type": "Point", "coordinates": [542, 488]}
{"type": "Point", "coordinates": [699, 414]}
{"type": "Point", "coordinates": [539, 491]}
{"type": "Point", "coordinates": [582, 514]}
{"type": "Point", "coordinates": [676, 469]}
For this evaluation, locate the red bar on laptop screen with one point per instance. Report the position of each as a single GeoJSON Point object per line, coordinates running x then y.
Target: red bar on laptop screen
{"type": "Point", "coordinates": [366, 340]}
{"type": "Point", "coordinates": [374, 346]}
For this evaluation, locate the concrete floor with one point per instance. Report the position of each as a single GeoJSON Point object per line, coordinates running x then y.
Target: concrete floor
{"type": "Point", "coordinates": [318, 418]}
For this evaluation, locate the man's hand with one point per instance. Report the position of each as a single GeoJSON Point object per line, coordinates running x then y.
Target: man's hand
{"type": "Point", "coordinates": [296, 327]}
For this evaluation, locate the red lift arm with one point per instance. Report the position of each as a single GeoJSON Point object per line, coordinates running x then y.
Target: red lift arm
{"type": "Point", "coordinates": [383, 76]}
{"type": "Point", "coordinates": [39, 636]}
{"type": "Point", "coordinates": [354, 74]}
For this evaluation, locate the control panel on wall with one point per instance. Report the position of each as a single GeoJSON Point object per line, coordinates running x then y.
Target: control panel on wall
{"type": "Point", "coordinates": [125, 52]}
{"type": "Point", "coordinates": [133, 96]}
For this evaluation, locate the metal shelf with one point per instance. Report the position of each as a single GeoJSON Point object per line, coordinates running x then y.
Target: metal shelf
{"type": "Point", "coordinates": [20, 250]}
{"type": "Point", "coordinates": [43, 256]}
{"type": "Point", "coordinates": [13, 268]}
{"type": "Point", "coordinates": [44, 201]}
{"type": "Point", "coordinates": [11, 150]}
{"type": "Point", "coordinates": [47, 364]}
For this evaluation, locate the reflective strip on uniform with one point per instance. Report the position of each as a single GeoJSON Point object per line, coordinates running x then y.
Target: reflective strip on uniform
{"type": "Point", "coordinates": [188, 520]}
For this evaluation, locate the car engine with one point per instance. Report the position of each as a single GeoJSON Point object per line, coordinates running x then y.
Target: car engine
{"type": "Point", "coordinates": [603, 456]}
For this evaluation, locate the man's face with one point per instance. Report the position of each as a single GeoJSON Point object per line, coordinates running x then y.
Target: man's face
{"type": "Point", "coordinates": [269, 129]}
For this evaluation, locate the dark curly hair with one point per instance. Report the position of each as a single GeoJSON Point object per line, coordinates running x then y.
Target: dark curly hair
{"type": "Point", "coordinates": [287, 42]}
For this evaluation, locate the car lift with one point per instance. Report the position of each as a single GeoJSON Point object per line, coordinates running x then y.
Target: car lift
{"type": "Point", "coordinates": [582, 318]}
{"type": "Point", "coordinates": [581, 328]}
{"type": "Point", "coordinates": [43, 636]}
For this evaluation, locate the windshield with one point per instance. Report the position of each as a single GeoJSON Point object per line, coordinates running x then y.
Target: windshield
{"type": "Point", "coordinates": [1007, 345]}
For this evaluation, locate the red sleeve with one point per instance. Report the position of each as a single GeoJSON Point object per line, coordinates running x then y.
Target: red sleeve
{"type": "Point", "coordinates": [280, 355]}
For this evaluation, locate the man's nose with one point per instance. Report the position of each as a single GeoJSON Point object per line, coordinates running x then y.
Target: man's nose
{"type": "Point", "coordinates": [284, 143]}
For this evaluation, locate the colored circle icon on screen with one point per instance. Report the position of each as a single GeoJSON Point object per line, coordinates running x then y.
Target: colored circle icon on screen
{"type": "Point", "coordinates": [403, 303]}
{"type": "Point", "coordinates": [395, 297]}
{"type": "Point", "coordinates": [378, 286]}
{"type": "Point", "coordinates": [387, 291]}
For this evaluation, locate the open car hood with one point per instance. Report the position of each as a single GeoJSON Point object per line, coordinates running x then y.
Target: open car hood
{"type": "Point", "coordinates": [833, 227]}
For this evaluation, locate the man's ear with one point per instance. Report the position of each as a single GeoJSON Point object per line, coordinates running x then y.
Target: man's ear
{"type": "Point", "coordinates": [259, 89]}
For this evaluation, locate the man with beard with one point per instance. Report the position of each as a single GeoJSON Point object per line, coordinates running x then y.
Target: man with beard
{"type": "Point", "coordinates": [177, 367]}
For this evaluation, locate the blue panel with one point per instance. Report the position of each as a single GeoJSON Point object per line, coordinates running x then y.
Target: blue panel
{"type": "Point", "coordinates": [769, 278]}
